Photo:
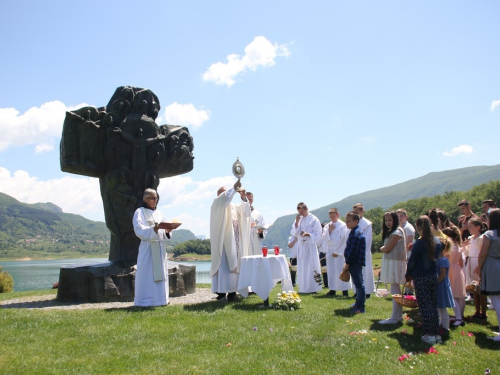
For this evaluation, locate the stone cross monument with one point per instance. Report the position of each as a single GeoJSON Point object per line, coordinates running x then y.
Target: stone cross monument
{"type": "Point", "coordinates": [122, 145]}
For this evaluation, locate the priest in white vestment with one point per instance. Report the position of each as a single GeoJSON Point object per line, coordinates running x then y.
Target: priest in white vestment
{"type": "Point", "coordinates": [335, 235]}
{"type": "Point", "coordinates": [151, 278]}
{"type": "Point", "coordinates": [307, 229]}
{"type": "Point", "coordinates": [229, 241]}
{"type": "Point", "coordinates": [366, 227]}
{"type": "Point", "coordinates": [258, 231]}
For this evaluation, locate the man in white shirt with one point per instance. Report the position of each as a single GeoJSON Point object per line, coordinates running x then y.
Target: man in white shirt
{"type": "Point", "coordinates": [335, 236]}
{"type": "Point", "coordinates": [307, 229]}
{"type": "Point", "coordinates": [366, 227]}
{"type": "Point", "coordinates": [229, 241]}
{"type": "Point", "coordinates": [258, 232]}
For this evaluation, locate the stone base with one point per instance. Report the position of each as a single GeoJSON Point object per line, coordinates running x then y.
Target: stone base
{"type": "Point", "coordinates": [109, 282]}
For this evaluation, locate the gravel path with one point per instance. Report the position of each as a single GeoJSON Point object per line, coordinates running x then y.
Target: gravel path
{"type": "Point", "coordinates": [49, 302]}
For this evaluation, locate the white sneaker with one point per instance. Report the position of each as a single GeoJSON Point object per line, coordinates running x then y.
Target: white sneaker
{"type": "Point", "coordinates": [459, 322]}
{"type": "Point", "coordinates": [468, 298]}
{"type": "Point", "coordinates": [387, 321]}
{"type": "Point", "coordinates": [429, 339]}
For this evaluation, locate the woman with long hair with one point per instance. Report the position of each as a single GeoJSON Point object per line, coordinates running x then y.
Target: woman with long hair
{"type": "Point", "coordinates": [489, 264]}
{"type": "Point", "coordinates": [393, 267]}
{"type": "Point", "coordinates": [423, 271]}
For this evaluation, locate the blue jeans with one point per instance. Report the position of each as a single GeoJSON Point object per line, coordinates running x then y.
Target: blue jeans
{"type": "Point", "coordinates": [356, 271]}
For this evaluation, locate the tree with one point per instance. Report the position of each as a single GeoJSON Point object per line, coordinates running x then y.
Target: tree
{"type": "Point", "coordinates": [6, 282]}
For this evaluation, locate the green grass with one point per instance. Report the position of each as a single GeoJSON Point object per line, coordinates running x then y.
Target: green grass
{"type": "Point", "coordinates": [194, 339]}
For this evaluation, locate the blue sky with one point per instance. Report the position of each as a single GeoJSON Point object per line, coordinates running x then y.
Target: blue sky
{"type": "Point", "coordinates": [319, 100]}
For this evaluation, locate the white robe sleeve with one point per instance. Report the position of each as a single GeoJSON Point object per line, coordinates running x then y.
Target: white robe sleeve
{"type": "Point", "coordinates": [342, 240]}
{"type": "Point", "coordinates": [142, 229]}
{"type": "Point", "coordinates": [316, 231]}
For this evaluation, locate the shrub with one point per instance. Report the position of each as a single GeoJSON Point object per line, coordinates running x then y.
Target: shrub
{"type": "Point", "coordinates": [6, 282]}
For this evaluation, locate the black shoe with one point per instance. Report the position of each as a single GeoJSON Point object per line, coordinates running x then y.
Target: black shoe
{"type": "Point", "coordinates": [331, 293]}
{"type": "Point", "coordinates": [368, 296]}
{"type": "Point", "coordinates": [345, 293]}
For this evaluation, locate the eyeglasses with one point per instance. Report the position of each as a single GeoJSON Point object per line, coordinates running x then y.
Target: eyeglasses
{"type": "Point", "coordinates": [155, 198]}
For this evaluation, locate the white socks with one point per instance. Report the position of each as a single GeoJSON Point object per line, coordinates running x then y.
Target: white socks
{"type": "Point", "coordinates": [459, 308]}
{"type": "Point", "coordinates": [444, 317]}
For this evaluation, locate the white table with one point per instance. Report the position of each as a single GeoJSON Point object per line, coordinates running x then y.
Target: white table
{"type": "Point", "coordinates": [262, 274]}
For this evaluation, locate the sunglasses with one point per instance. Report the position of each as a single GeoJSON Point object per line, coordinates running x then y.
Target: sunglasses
{"type": "Point", "coordinates": [301, 207]}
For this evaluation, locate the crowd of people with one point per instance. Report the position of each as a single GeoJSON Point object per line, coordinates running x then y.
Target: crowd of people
{"type": "Point", "coordinates": [442, 266]}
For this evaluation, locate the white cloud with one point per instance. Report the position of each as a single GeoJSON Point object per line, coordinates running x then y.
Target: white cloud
{"type": "Point", "coordinates": [43, 147]}
{"type": "Point", "coordinates": [462, 149]}
{"type": "Point", "coordinates": [186, 114]}
{"type": "Point", "coordinates": [494, 104]}
{"type": "Point", "coordinates": [73, 194]}
{"type": "Point", "coordinates": [37, 126]}
{"type": "Point", "coordinates": [260, 52]}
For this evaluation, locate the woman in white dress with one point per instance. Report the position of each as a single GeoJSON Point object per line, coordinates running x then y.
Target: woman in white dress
{"type": "Point", "coordinates": [393, 261]}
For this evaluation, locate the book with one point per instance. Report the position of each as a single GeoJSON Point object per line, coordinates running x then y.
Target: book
{"type": "Point", "coordinates": [167, 226]}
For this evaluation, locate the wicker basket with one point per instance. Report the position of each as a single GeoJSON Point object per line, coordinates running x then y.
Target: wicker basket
{"type": "Point", "coordinates": [472, 288]}
{"type": "Point", "coordinates": [345, 276]}
{"type": "Point", "coordinates": [405, 302]}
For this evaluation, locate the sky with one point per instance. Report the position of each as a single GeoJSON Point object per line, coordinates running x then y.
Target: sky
{"type": "Point", "coordinates": [319, 100]}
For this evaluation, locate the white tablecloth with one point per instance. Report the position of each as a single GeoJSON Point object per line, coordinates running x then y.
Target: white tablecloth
{"type": "Point", "coordinates": [262, 274]}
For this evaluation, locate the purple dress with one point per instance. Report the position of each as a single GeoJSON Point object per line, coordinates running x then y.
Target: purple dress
{"type": "Point", "coordinates": [444, 294]}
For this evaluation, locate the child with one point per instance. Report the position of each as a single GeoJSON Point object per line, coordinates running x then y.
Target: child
{"type": "Point", "coordinates": [393, 262]}
{"type": "Point", "coordinates": [476, 228]}
{"type": "Point", "coordinates": [456, 273]}
{"type": "Point", "coordinates": [444, 294]}
{"type": "Point", "coordinates": [422, 269]}
{"type": "Point", "coordinates": [354, 254]}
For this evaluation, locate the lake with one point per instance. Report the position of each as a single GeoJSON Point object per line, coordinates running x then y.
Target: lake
{"type": "Point", "coordinates": [42, 274]}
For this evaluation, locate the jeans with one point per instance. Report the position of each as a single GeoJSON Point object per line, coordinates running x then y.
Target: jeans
{"type": "Point", "coordinates": [356, 271]}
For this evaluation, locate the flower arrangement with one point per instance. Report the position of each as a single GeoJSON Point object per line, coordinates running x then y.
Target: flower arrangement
{"type": "Point", "coordinates": [288, 301]}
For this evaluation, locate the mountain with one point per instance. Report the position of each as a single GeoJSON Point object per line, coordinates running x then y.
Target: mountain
{"type": "Point", "coordinates": [44, 230]}
{"type": "Point", "coordinates": [431, 184]}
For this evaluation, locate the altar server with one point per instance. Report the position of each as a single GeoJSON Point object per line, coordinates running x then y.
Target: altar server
{"type": "Point", "coordinates": [258, 231]}
{"type": "Point", "coordinates": [335, 236]}
{"type": "Point", "coordinates": [151, 278]}
{"type": "Point", "coordinates": [307, 229]}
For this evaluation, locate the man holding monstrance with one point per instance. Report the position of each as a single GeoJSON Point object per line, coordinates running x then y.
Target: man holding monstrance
{"type": "Point", "coordinates": [229, 237]}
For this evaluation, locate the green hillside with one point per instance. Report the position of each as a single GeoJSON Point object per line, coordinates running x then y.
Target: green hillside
{"type": "Point", "coordinates": [435, 183]}
{"type": "Point", "coordinates": [42, 230]}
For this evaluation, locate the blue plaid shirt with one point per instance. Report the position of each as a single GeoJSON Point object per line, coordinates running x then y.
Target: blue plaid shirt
{"type": "Point", "coordinates": [355, 249]}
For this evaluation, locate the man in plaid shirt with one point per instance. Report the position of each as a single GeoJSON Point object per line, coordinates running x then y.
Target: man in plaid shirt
{"type": "Point", "coordinates": [355, 259]}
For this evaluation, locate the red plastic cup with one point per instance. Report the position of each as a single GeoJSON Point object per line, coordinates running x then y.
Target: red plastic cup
{"type": "Point", "coordinates": [276, 250]}
{"type": "Point", "coordinates": [264, 251]}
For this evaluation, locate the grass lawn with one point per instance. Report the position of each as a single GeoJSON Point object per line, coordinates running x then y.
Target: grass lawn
{"type": "Point", "coordinates": [210, 338]}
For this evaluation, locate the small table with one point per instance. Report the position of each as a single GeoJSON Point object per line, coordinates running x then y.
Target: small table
{"type": "Point", "coordinates": [262, 274]}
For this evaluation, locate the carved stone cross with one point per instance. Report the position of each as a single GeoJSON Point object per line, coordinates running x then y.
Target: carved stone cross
{"type": "Point", "coordinates": [122, 145]}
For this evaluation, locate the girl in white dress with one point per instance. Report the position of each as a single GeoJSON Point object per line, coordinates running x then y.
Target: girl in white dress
{"type": "Point", "coordinates": [476, 228]}
{"type": "Point", "coordinates": [393, 268]}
